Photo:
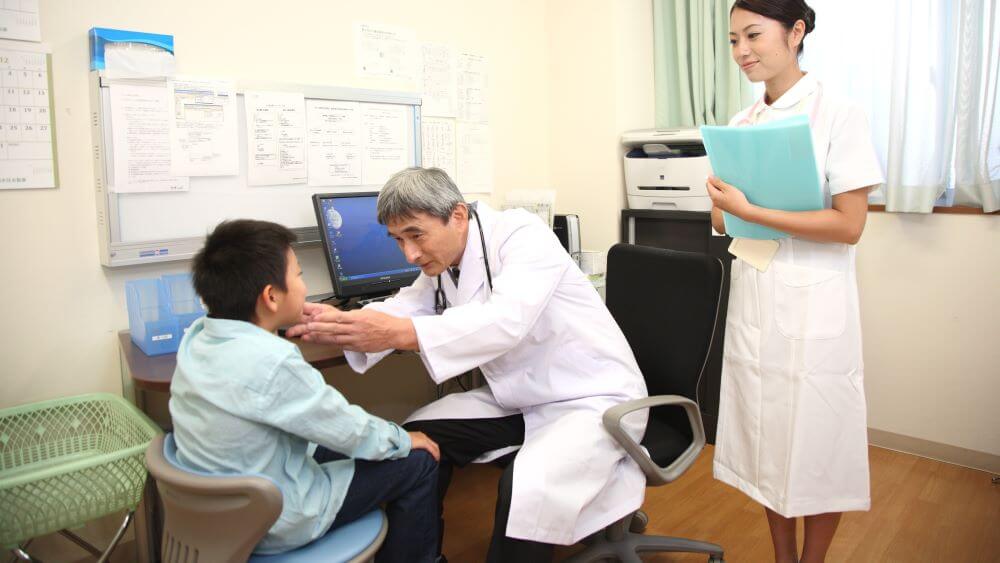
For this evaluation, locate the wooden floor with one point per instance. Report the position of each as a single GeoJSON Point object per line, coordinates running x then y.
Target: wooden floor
{"type": "Point", "coordinates": [922, 510]}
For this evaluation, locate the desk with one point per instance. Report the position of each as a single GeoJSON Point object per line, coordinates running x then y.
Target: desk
{"type": "Point", "coordinates": [153, 373]}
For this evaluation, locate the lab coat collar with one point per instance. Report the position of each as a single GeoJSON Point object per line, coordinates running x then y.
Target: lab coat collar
{"type": "Point", "coordinates": [805, 86]}
{"type": "Point", "coordinates": [472, 265]}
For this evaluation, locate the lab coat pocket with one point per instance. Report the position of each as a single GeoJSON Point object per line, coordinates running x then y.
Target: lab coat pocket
{"type": "Point", "coordinates": [809, 303]}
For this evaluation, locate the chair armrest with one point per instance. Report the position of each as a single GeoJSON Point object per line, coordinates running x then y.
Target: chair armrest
{"type": "Point", "coordinates": [656, 475]}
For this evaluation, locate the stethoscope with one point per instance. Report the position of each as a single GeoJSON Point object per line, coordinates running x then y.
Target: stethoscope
{"type": "Point", "coordinates": [440, 301]}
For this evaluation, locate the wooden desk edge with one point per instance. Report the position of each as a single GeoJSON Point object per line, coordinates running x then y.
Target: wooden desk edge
{"type": "Point", "coordinates": [153, 373]}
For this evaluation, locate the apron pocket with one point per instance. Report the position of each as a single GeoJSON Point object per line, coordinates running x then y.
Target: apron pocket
{"type": "Point", "coordinates": [809, 303]}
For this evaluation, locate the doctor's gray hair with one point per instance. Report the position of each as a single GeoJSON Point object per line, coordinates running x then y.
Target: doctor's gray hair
{"type": "Point", "coordinates": [415, 190]}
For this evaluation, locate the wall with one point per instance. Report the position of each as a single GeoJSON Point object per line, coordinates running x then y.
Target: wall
{"type": "Point", "coordinates": [57, 334]}
{"type": "Point", "coordinates": [601, 84]}
{"type": "Point", "coordinates": [930, 310]}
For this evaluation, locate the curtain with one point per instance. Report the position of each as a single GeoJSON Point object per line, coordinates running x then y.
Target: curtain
{"type": "Point", "coordinates": [696, 80]}
{"type": "Point", "coordinates": [938, 131]}
{"type": "Point", "coordinates": [977, 139]}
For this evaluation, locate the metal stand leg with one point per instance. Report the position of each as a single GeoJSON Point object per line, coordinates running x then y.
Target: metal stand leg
{"type": "Point", "coordinates": [102, 557]}
{"type": "Point", "coordinates": [118, 537]}
{"type": "Point", "coordinates": [22, 555]}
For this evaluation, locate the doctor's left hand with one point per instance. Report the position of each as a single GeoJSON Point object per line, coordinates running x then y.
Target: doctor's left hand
{"type": "Point", "coordinates": [728, 197]}
{"type": "Point", "coordinates": [365, 330]}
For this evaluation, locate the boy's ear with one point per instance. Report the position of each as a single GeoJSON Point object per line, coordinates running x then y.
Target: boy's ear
{"type": "Point", "coordinates": [269, 298]}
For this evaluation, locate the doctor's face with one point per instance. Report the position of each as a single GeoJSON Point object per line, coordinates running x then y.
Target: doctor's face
{"type": "Point", "coordinates": [430, 242]}
{"type": "Point", "coordinates": [761, 46]}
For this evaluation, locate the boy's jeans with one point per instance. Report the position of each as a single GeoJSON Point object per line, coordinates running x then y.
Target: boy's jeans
{"type": "Point", "coordinates": [408, 489]}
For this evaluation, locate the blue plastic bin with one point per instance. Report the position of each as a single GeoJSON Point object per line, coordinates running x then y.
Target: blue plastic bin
{"type": "Point", "coordinates": [159, 310]}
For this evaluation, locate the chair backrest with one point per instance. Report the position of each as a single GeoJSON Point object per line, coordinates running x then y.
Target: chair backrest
{"type": "Point", "coordinates": [209, 517]}
{"type": "Point", "coordinates": [667, 303]}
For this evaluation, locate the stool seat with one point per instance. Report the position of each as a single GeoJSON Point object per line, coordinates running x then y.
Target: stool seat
{"type": "Point", "coordinates": [341, 544]}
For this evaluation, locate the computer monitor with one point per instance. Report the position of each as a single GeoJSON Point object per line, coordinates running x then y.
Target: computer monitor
{"type": "Point", "coordinates": [363, 259]}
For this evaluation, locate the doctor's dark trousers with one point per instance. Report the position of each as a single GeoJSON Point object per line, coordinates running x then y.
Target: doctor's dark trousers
{"type": "Point", "coordinates": [463, 440]}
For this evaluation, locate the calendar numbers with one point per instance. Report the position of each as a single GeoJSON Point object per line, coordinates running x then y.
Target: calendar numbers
{"type": "Point", "coordinates": [26, 159]}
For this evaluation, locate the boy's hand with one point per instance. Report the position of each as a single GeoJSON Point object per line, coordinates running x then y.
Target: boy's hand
{"type": "Point", "coordinates": [420, 441]}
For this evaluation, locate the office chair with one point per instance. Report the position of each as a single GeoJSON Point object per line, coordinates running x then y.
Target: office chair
{"type": "Point", "coordinates": [666, 302]}
{"type": "Point", "coordinates": [221, 518]}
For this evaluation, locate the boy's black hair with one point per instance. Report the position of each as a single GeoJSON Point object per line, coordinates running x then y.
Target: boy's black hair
{"type": "Point", "coordinates": [239, 259]}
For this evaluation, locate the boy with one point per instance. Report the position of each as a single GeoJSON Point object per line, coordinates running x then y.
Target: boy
{"type": "Point", "coordinates": [243, 400]}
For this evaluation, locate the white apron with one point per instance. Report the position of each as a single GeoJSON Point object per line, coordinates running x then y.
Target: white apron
{"type": "Point", "coordinates": [548, 348]}
{"type": "Point", "coordinates": [792, 426]}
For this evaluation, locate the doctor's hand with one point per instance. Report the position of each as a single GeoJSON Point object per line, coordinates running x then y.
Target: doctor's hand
{"type": "Point", "coordinates": [309, 311]}
{"type": "Point", "coordinates": [365, 330]}
{"type": "Point", "coordinates": [728, 197]}
{"type": "Point", "coordinates": [420, 441]}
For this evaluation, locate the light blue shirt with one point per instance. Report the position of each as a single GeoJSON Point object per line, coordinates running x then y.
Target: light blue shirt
{"type": "Point", "coordinates": [243, 400]}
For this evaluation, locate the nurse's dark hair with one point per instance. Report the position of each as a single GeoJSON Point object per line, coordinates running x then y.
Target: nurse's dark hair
{"type": "Point", "coordinates": [785, 11]}
{"type": "Point", "coordinates": [240, 258]}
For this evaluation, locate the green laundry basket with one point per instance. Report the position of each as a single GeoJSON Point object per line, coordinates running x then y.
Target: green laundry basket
{"type": "Point", "coordinates": [67, 461]}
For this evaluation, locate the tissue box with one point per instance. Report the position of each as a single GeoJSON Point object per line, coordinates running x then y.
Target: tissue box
{"type": "Point", "coordinates": [159, 310]}
{"type": "Point", "coordinates": [101, 37]}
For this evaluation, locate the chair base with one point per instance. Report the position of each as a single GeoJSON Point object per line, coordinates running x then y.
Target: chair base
{"type": "Point", "coordinates": [616, 542]}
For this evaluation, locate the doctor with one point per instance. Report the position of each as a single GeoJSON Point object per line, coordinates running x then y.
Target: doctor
{"type": "Point", "coordinates": [498, 292]}
{"type": "Point", "coordinates": [792, 432]}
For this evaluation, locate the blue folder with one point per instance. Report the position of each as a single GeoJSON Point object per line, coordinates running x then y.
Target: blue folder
{"type": "Point", "coordinates": [773, 164]}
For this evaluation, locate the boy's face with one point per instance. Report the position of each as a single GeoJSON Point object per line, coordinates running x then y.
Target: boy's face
{"type": "Point", "coordinates": [290, 306]}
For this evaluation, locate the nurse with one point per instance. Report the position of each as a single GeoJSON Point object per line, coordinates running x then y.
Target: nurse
{"type": "Point", "coordinates": [792, 431]}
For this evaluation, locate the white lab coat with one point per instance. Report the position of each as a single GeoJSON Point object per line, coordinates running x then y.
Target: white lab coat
{"type": "Point", "coordinates": [548, 348]}
{"type": "Point", "coordinates": [792, 433]}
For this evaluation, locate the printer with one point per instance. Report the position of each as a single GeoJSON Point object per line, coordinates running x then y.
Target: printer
{"type": "Point", "coordinates": [666, 169]}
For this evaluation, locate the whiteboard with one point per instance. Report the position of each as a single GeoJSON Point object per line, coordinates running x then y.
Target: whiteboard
{"type": "Point", "coordinates": [140, 228]}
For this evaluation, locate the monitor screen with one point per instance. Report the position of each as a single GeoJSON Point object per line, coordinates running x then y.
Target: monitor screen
{"type": "Point", "coordinates": [362, 257]}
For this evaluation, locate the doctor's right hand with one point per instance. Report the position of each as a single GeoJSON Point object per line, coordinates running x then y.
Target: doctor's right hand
{"type": "Point", "coordinates": [420, 441]}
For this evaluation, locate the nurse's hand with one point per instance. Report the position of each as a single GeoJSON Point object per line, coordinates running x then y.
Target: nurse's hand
{"type": "Point", "coordinates": [309, 311]}
{"type": "Point", "coordinates": [420, 441]}
{"type": "Point", "coordinates": [728, 198]}
{"type": "Point", "coordinates": [364, 330]}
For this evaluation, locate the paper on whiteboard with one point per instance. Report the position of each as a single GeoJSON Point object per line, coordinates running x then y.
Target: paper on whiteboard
{"type": "Point", "coordinates": [475, 158]}
{"type": "Point", "coordinates": [140, 137]}
{"type": "Point", "coordinates": [26, 156]}
{"type": "Point", "coordinates": [384, 51]}
{"type": "Point", "coordinates": [19, 20]}
{"type": "Point", "coordinates": [437, 141]}
{"type": "Point", "coordinates": [472, 82]}
{"type": "Point", "coordinates": [276, 138]}
{"type": "Point", "coordinates": [438, 83]}
{"type": "Point", "coordinates": [384, 129]}
{"type": "Point", "coordinates": [203, 133]}
{"type": "Point", "coordinates": [335, 147]}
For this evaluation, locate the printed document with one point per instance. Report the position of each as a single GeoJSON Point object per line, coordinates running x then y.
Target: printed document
{"type": "Point", "coordinates": [276, 138]}
{"type": "Point", "coordinates": [385, 131]}
{"type": "Point", "coordinates": [203, 134]}
{"type": "Point", "coordinates": [335, 147]}
{"type": "Point", "coordinates": [140, 122]}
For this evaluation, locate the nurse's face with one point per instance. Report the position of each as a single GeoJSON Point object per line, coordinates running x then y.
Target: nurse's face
{"type": "Point", "coordinates": [761, 46]}
{"type": "Point", "coordinates": [430, 242]}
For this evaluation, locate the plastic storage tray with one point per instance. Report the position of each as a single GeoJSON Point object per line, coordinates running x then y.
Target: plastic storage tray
{"type": "Point", "coordinates": [66, 461]}
{"type": "Point", "coordinates": [159, 309]}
